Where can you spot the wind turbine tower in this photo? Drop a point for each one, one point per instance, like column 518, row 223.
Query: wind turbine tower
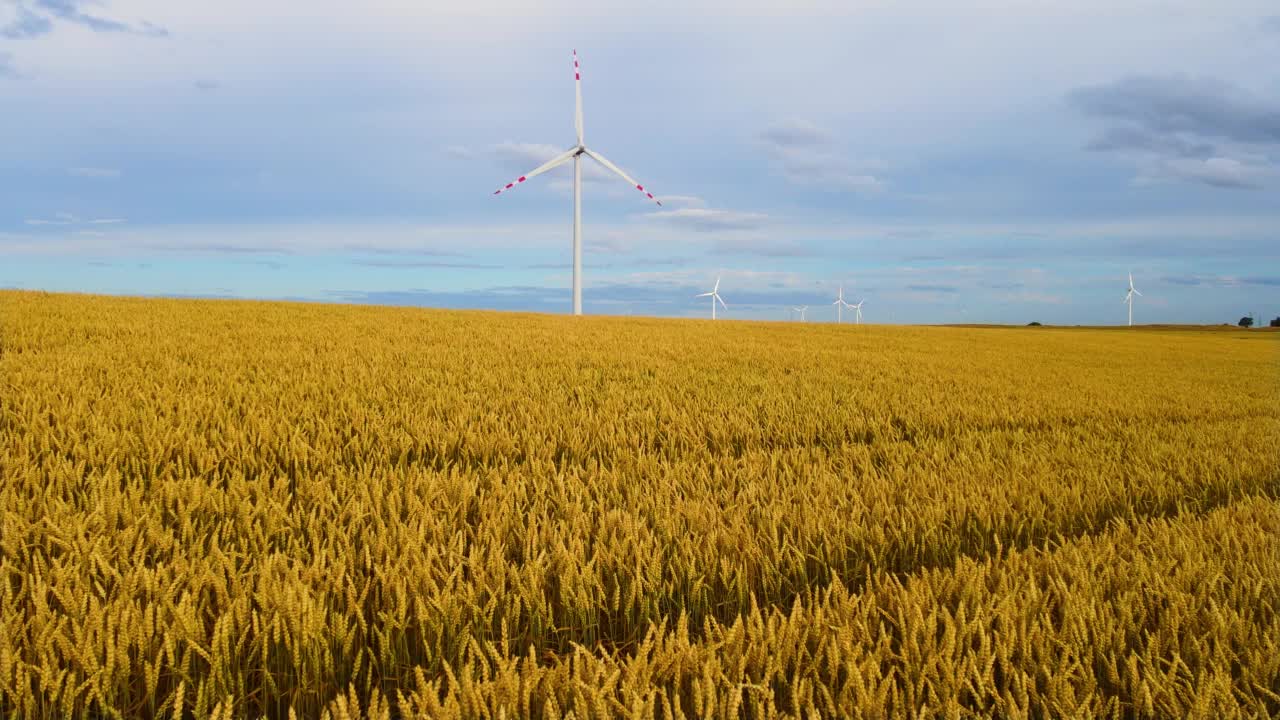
column 575, row 154
column 840, row 306
column 1128, row 298
column 714, row 295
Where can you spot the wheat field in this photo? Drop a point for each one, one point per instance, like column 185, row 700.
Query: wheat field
column 225, row 509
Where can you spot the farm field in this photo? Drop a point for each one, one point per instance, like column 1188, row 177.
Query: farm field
column 245, row 509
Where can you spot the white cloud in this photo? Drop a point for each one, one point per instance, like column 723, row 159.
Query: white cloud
column 808, row 155
column 1204, row 280
column 1034, row 298
column 66, row 218
column 459, row 151
column 960, row 243
column 710, row 220
column 293, row 238
column 94, row 172
column 796, row 132
column 683, row 201
column 1222, row 172
column 608, row 241
column 742, row 277
column 59, row 218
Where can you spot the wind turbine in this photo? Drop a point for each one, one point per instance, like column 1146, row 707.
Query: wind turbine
column 1128, row 297
column 575, row 154
column 840, row 306
column 858, row 308
column 714, row 295
column 801, row 310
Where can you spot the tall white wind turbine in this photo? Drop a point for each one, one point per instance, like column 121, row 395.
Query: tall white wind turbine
column 575, row 154
column 801, row 310
column 840, row 306
column 858, row 308
column 714, row 295
column 1128, row 298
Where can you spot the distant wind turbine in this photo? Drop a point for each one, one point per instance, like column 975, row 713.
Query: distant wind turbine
column 1128, row 297
column 714, row 295
column 575, row 153
column 840, row 306
column 858, row 308
column 801, row 310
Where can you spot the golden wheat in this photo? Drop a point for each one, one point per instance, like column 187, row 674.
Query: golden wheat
column 225, row 509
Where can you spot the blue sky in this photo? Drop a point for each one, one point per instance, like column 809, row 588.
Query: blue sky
column 994, row 161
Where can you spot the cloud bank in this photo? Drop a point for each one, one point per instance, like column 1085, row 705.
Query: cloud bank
column 1198, row 130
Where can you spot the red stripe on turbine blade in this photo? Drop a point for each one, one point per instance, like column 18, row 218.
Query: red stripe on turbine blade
column 521, row 179
column 577, row 76
column 509, row 186
column 650, row 195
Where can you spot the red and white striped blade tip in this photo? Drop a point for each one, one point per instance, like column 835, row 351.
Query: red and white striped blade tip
column 509, row 185
column 648, row 194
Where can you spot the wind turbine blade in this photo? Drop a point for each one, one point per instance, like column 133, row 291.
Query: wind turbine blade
column 605, row 162
column 704, row 295
column 577, row 89
column 556, row 161
column 722, row 304
column 1135, row 292
column 717, row 287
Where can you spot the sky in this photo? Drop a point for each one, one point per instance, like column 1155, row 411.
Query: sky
column 996, row 161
